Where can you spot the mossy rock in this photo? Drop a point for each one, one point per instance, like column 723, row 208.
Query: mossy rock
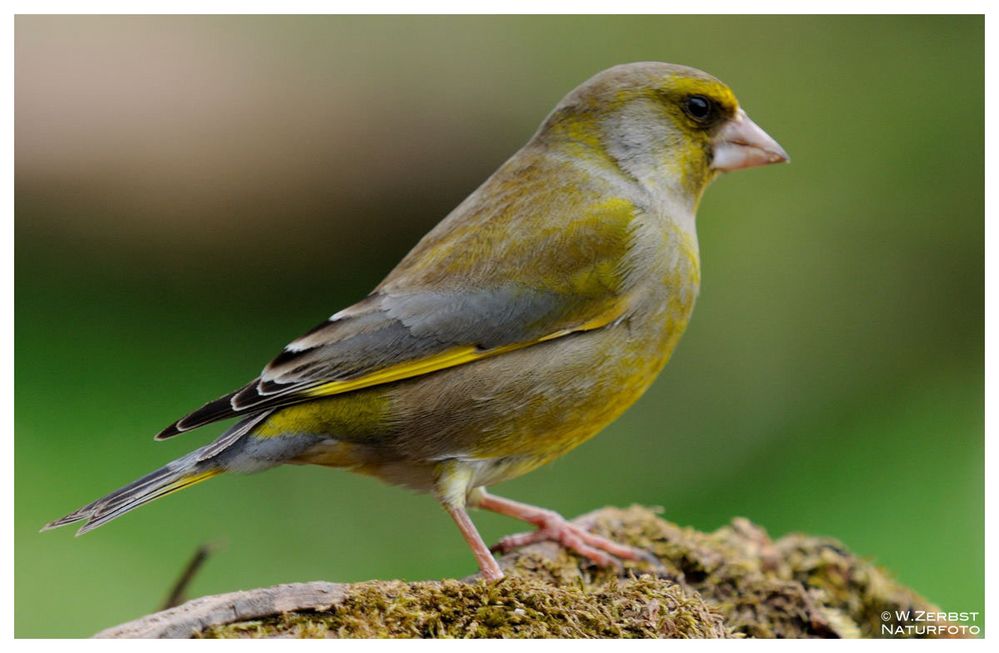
column 734, row 582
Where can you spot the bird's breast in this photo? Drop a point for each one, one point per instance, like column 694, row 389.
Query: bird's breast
column 664, row 277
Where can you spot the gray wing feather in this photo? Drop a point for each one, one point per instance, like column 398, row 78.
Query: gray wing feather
column 389, row 329
column 401, row 328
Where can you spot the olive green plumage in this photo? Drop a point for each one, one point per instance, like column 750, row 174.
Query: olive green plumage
column 530, row 318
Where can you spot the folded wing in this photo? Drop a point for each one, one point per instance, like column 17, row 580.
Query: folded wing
column 570, row 279
column 387, row 338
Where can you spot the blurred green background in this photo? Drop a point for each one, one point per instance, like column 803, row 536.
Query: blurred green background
column 193, row 192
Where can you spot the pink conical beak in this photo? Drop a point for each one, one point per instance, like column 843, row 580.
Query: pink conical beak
column 742, row 144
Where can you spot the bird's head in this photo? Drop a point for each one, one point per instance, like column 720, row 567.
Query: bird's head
column 663, row 124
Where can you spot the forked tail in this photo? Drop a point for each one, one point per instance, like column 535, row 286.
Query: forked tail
column 228, row 451
column 177, row 475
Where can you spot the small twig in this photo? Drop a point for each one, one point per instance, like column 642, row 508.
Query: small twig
column 176, row 596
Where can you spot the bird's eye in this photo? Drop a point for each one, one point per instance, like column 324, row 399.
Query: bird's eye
column 698, row 107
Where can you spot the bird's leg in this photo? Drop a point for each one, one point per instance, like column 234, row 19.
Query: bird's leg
column 552, row 526
column 451, row 485
column 487, row 563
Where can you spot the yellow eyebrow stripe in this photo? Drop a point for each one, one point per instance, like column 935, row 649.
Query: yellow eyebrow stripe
column 449, row 358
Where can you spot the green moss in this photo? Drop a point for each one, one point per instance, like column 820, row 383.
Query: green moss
column 798, row 586
column 734, row 582
column 513, row 607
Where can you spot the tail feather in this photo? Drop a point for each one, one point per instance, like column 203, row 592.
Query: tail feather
column 166, row 480
column 199, row 465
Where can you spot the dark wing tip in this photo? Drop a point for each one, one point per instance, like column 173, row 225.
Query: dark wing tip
column 247, row 397
column 168, row 432
column 213, row 411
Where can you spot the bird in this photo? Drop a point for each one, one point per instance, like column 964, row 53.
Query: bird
column 531, row 317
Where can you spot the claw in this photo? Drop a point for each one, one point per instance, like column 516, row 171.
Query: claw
column 552, row 526
column 598, row 550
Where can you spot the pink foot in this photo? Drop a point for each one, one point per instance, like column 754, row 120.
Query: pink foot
column 553, row 527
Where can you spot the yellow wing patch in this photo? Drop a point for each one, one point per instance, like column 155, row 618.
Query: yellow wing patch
column 451, row 358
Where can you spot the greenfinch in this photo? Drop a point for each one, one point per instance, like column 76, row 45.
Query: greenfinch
column 525, row 322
